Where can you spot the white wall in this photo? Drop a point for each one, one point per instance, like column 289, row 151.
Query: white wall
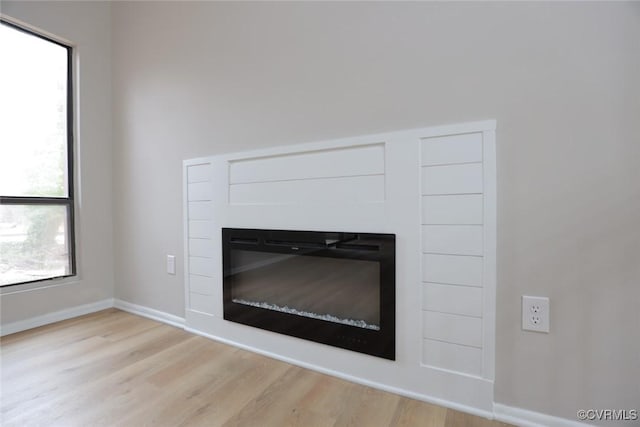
column 197, row 79
column 88, row 27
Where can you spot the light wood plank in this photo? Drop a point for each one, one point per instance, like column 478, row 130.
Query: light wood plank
column 115, row 369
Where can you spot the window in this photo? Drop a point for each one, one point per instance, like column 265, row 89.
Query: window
column 36, row 158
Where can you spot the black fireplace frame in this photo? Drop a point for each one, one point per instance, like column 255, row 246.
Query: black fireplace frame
column 363, row 246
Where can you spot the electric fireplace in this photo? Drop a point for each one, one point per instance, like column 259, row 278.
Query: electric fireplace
column 335, row 288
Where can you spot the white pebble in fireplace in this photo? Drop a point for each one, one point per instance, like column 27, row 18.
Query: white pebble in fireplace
column 433, row 188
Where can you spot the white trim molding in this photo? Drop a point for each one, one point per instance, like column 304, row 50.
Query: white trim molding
column 149, row 313
column 526, row 418
column 56, row 316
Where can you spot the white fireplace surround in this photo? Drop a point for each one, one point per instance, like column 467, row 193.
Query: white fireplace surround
column 432, row 187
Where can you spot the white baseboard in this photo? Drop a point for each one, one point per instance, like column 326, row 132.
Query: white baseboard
column 150, row 313
column 525, row 418
column 56, row 316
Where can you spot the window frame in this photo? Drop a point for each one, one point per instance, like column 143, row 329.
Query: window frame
column 69, row 200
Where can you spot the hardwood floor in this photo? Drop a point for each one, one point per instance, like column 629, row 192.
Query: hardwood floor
column 113, row 368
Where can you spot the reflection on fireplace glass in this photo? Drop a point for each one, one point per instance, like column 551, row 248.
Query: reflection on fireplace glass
column 336, row 290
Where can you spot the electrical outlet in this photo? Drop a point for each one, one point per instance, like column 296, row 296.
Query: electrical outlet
column 535, row 314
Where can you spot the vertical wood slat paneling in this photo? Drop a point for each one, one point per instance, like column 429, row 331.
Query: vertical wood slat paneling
column 459, row 209
column 454, row 357
column 452, row 299
column 199, row 191
column 202, row 303
column 452, row 186
column 199, row 232
column 200, row 210
column 330, row 163
column 199, row 173
column 201, row 266
column 201, row 248
column 201, row 284
column 201, row 229
column 357, row 189
column 452, row 239
column 442, row 150
column 452, row 328
column 452, row 179
column 452, row 269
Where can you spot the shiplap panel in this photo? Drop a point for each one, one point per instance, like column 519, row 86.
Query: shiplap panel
column 452, row 269
column 452, row 179
column 200, row 210
column 452, row 328
column 199, row 173
column 464, row 209
column 465, row 300
column 338, row 162
column 199, row 191
column 452, row 239
column 360, row 189
column 454, row 357
column 202, row 303
column 200, row 229
column 201, row 284
column 201, row 266
column 201, row 247
column 442, row 150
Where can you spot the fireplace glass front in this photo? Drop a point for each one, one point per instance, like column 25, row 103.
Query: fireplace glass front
column 335, row 288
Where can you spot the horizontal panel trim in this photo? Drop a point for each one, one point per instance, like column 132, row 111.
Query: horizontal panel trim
column 202, row 303
column 453, row 299
column 452, row 179
column 462, row 148
column 201, row 266
column 199, row 173
column 201, row 248
column 452, row 269
column 359, row 189
column 454, row 357
column 201, row 229
column 199, row 191
column 453, row 239
column 457, row 209
column 337, row 162
column 452, row 328
column 200, row 210
column 201, row 284
column 424, row 310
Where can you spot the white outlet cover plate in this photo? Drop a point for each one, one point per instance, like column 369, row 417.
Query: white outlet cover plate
column 535, row 314
column 171, row 264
